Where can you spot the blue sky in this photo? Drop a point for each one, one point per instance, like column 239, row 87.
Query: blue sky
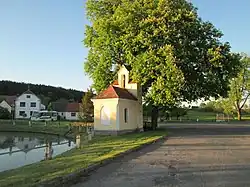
column 40, row 40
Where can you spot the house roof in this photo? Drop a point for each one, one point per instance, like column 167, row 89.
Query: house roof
column 9, row 99
column 115, row 92
column 65, row 106
column 28, row 92
column 59, row 106
column 73, row 107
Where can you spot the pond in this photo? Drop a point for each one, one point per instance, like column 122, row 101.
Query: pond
column 20, row 149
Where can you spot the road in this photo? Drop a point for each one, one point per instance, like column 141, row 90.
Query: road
column 204, row 156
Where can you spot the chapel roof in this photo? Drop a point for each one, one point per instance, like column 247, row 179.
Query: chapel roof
column 115, row 92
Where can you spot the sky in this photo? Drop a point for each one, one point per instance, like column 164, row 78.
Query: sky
column 40, row 40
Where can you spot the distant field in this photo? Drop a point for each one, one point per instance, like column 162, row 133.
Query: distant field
column 203, row 116
column 193, row 115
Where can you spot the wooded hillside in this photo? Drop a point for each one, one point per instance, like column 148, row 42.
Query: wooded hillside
column 44, row 92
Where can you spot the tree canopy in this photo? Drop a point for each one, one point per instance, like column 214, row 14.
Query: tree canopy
column 46, row 93
column 239, row 90
column 174, row 54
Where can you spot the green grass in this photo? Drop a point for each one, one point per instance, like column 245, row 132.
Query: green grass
column 98, row 149
column 37, row 127
column 194, row 114
column 202, row 116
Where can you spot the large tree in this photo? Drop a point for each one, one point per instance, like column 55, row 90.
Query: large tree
column 240, row 87
column 173, row 53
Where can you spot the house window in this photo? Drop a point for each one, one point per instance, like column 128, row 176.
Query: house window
column 32, row 104
column 22, row 113
column 62, row 113
column 31, row 112
column 22, row 104
column 27, row 96
column 73, row 114
column 125, row 115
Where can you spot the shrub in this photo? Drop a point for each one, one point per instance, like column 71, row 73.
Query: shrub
column 4, row 113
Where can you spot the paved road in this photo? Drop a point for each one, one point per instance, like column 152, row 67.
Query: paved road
column 192, row 157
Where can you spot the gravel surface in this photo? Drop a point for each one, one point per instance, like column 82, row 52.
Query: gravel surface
column 191, row 157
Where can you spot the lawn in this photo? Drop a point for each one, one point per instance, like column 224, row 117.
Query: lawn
column 100, row 148
column 194, row 114
column 39, row 127
column 202, row 116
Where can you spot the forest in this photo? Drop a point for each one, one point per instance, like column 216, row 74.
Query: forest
column 45, row 92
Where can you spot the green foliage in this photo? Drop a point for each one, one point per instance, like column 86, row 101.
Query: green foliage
column 209, row 107
column 50, row 107
column 177, row 112
column 240, row 87
column 87, row 108
column 173, row 53
column 4, row 113
column 226, row 106
column 202, row 105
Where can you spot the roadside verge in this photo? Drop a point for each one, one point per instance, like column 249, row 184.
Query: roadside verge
column 67, row 168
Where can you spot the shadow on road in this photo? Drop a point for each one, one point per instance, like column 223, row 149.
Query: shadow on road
column 207, row 130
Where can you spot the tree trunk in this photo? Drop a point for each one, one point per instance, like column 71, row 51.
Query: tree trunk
column 154, row 117
column 239, row 114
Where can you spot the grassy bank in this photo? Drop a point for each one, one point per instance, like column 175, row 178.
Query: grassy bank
column 57, row 128
column 39, row 127
column 97, row 150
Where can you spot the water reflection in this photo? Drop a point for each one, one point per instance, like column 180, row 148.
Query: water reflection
column 19, row 149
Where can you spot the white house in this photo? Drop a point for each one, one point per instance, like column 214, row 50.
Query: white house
column 66, row 110
column 26, row 104
column 72, row 111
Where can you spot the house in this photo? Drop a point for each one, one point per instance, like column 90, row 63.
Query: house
column 67, row 110
column 118, row 109
column 72, row 111
column 26, row 104
column 7, row 102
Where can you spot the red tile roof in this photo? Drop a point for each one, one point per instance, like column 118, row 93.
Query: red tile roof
column 115, row 82
column 72, row 107
column 115, row 92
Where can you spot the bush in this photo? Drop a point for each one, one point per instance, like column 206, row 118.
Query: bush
column 177, row 112
column 4, row 113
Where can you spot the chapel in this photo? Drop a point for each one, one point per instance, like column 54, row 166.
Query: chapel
column 118, row 109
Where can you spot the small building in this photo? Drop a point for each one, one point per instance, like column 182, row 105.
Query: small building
column 26, row 104
column 67, row 110
column 72, row 111
column 8, row 102
column 118, row 109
